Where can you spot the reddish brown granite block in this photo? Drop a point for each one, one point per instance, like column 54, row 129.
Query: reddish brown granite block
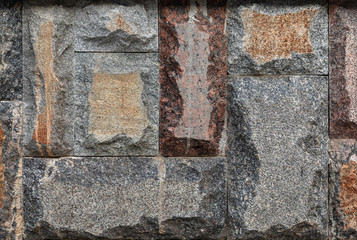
column 192, row 77
column 343, row 68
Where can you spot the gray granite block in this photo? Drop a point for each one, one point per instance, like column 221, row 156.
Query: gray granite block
column 277, row 157
column 117, row 26
column 48, row 80
column 277, row 37
column 117, row 104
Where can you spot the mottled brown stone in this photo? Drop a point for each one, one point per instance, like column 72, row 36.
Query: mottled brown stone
column 192, row 78
column 343, row 68
column 269, row 37
column 348, row 192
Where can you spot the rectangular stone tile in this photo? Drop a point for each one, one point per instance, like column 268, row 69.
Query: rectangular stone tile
column 193, row 198
column 10, row 50
column 11, row 225
column 343, row 68
column 117, row 26
column 277, row 159
column 277, row 37
column 192, row 78
column 117, row 104
column 343, row 189
column 91, row 198
column 48, row 80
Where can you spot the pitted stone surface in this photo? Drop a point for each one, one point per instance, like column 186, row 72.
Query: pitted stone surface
column 277, row 157
column 277, row 37
column 192, row 78
column 10, row 170
column 10, row 50
column 117, row 26
column 343, row 65
column 193, row 197
column 116, row 104
column 91, row 198
column 48, row 80
column 343, row 188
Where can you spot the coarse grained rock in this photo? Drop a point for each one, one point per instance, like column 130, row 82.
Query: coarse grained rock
column 117, row 26
column 11, row 215
column 343, row 188
column 10, row 50
column 342, row 66
column 48, row 80
column 277, row 157
column 193, row 75
column 193, row 197
column 124, row 198
column 277, row 37
column 116, row 104
column 91, row 198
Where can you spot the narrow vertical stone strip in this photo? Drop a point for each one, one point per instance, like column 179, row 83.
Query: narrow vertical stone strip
column 192, row 77
column 10, row 50
column 343, row 69
column 11, row 224
column 48, row 48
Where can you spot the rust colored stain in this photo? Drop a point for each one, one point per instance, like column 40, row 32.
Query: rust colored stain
column 2, row 169
column 348, row 193
column 45, row 75
column 192, row 77
column 343, row 70
column 118, row 23
column 116, row 105
column 272, row 37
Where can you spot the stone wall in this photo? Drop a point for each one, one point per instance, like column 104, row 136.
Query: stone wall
column 190, row 119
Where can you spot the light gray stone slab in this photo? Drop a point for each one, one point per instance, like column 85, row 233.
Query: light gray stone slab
column 277, row 37
column 117, row 104
column 48, row 80
column 277, row 161
column 117, row 26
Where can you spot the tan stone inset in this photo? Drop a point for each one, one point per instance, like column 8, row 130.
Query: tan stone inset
column 268, row 37
column 348, row 192
column 117, row 22
column 116, row 105
column 2, row 169
column 45, row 75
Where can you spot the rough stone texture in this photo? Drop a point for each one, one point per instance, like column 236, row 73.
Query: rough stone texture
column 277, row 157
column 124, row 198
column 343, row 188
column 277, row 37
column 117, row 26
column 11, row 50
column 117, row 108
column 193, row 78
column 343, row 65
column 77, row 198
column 48, row 80
column 193, row 198
column 11, row 226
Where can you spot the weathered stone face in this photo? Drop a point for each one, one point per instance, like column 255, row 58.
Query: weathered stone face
column 192, row 78
column 10, row 50
column 125, row 198
column 343, row 65
column 343, row 188
column 116, row 104
column 11, row 216
column 48, row 80
column 277, row 158
column 192, row 198
column 119, row 26
column 277, row 37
